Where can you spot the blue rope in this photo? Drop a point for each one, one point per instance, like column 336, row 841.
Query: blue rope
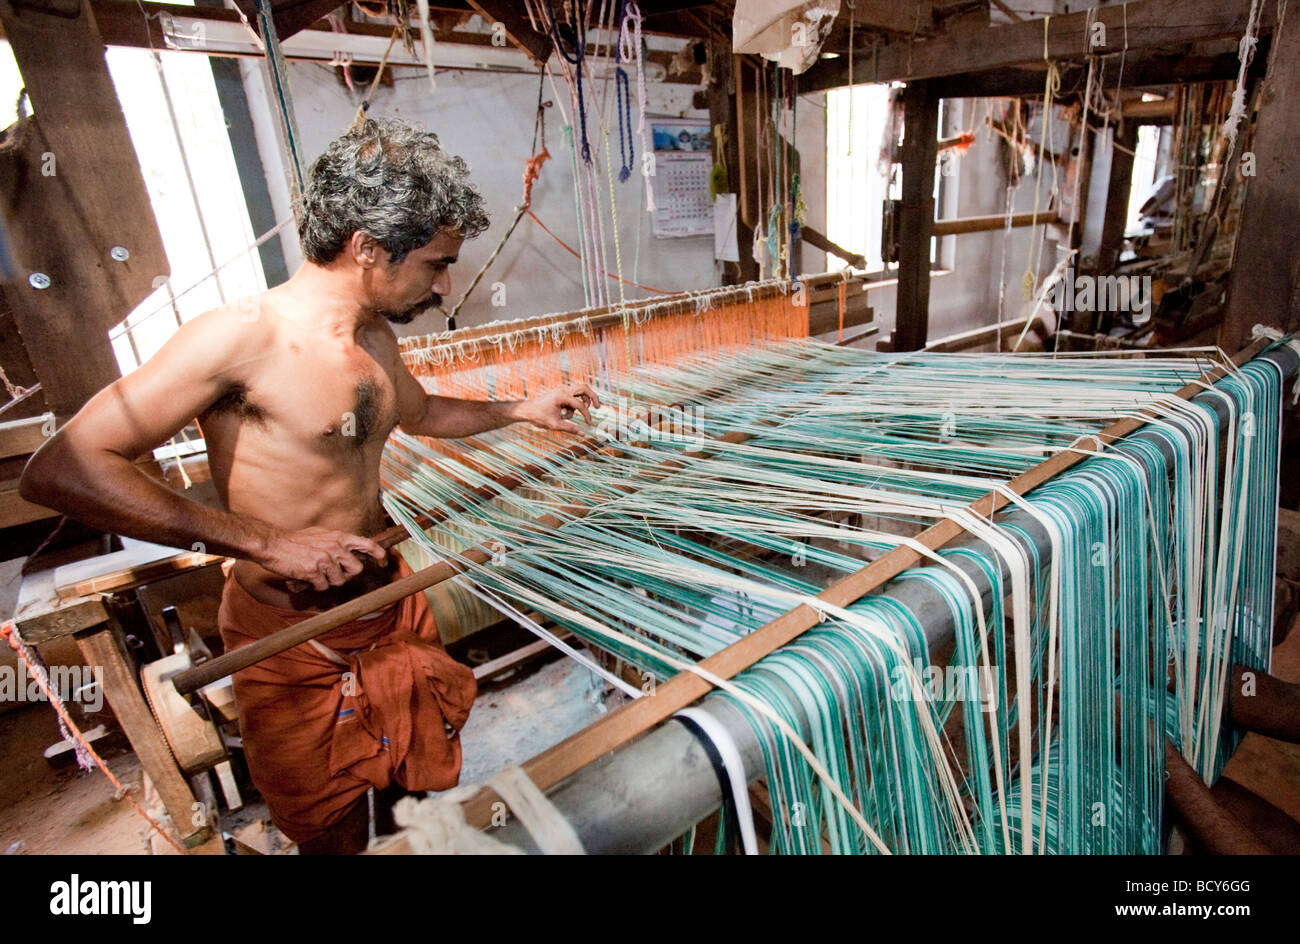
column 580, row 51
column 623, row 102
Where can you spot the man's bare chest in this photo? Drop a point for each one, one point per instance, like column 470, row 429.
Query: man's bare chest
column 327, row 401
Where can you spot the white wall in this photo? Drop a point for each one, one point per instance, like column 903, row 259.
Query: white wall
column 487, row 118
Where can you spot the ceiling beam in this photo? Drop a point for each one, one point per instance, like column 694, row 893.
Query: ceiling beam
column 1150, row 24
column 1152, row 70
column 898, row 16
column 121, row 24
column 296, row 15
column 518, row 27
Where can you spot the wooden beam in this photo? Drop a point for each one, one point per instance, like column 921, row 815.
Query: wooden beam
column 1129, row 27
column 102, row 648
column 23, row 437
column 518, row 28
column 1149, row 70
column 1265, row 284
column 72, row 192
column 980, row 224
column 919, row 152
column 1117, row 194
column 294, row 17
column 14, row 509
column 722, row 113
column 898, row 16
column 965, row 340
column 1162, row 108
column 815, row 238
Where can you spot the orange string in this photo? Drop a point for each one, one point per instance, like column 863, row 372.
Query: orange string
column 10, row 633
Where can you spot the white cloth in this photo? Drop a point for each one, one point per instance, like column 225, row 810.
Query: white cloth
column 789, row 32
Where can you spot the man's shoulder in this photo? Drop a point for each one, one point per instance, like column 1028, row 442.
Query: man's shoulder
column 221, row 345
column 231, row 329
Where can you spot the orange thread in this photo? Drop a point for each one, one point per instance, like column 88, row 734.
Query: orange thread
column 9, row 632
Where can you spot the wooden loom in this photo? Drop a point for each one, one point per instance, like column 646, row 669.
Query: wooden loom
column 454, row 363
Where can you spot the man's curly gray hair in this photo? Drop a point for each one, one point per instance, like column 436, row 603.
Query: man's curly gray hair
column 390, row 180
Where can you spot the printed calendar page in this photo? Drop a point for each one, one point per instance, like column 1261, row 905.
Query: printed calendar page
column 683, row 162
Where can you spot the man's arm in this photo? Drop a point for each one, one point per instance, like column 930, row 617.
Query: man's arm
column 87, row 470
column 425, row 414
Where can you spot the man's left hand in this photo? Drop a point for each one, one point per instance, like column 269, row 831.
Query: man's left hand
column 552, row 410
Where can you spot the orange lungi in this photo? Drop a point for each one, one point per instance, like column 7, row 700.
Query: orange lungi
column 317, row 733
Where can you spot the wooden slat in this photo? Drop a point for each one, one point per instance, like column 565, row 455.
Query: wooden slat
column 14, row 509
column 512, row 660
column 102, row 649
column 41, row 616
column 620, row 726
column 825, row 317
column 130, row 567
column 23, row 437
column 980, row 224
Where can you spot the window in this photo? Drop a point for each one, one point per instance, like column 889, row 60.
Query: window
column 179, row 132
column 856, row 184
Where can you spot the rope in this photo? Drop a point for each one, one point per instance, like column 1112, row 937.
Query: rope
column 1245, row 53
column 86, row 753
column 573, row 252
column 364, row 107
column 537, row 814
column 1051, row 85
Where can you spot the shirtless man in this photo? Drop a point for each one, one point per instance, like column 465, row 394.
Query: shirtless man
column 296, row 391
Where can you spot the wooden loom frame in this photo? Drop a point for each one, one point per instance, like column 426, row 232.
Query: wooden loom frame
column 553, row 765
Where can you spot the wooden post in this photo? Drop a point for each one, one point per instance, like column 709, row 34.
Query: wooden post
column 722, row 112
column 1264, row 287
column 1117, row 193
column 101, row 647
column 919, row 152
column 80, row 226
column 1083, row 174
column 747, row 181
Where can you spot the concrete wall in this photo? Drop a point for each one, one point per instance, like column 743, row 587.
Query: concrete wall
column 487, row 118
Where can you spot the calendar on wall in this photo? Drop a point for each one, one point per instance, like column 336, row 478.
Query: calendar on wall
column 683, row 163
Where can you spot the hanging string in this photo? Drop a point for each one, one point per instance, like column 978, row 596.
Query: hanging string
column 1245, row 53
column 86, row 754
column 630, row 50
column 1051, row 85
column 574, row 54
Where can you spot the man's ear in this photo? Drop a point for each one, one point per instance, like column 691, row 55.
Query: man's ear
column 366, row 250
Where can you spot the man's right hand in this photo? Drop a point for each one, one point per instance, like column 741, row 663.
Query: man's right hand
column 320, row 557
